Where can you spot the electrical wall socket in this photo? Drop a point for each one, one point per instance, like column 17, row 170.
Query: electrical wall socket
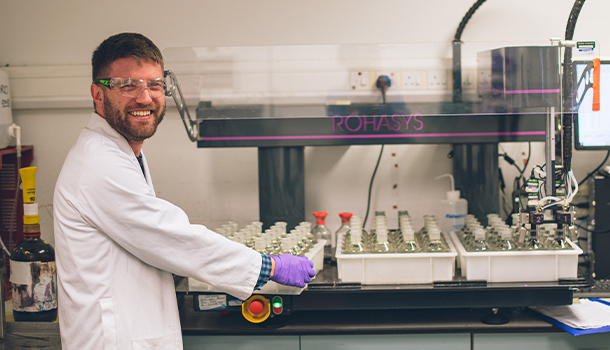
column 484, row 80
column 437, row 80
column 390, row 74
column 360, row 80
column 468, row 80
column 411, row 80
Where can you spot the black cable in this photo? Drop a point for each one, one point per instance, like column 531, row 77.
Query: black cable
column 596, row 169
column 594, row 231
column 457, row 52
column 466, row 18
column 504, row 200
column 383, row 83
column 368, row 202
column 502, row 186
column 573, row 18
column 501, row 180
column 568, row 94
column 517, row 188
column 519, row 169
column 580, row 227
column 510, row 161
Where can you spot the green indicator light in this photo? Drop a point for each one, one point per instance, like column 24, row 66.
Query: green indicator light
column 276, row 302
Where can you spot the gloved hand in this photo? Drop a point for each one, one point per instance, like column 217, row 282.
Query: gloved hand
column 292, row 270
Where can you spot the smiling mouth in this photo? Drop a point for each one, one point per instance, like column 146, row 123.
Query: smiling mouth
column 141, row 113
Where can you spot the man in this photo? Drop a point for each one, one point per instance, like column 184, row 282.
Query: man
column 118, row 245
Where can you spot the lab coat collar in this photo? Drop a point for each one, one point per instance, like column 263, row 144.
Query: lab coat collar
column 97, row 123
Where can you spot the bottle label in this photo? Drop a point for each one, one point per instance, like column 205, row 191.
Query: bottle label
column 454, row 216
column 34, row 285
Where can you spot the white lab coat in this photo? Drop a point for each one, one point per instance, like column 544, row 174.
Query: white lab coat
column 117, row 246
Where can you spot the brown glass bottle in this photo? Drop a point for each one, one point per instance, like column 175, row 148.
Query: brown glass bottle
column 34, row 278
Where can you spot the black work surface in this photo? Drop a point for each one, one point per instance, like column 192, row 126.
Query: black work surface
column 329, row 306
column 360, row 322
column 327, row 292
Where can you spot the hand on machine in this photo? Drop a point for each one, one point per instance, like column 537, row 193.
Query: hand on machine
column 293, row 270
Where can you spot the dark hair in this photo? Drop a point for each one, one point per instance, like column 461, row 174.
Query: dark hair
column 123, row 45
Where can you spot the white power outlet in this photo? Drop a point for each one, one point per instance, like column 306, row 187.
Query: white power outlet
column 411, row 80
column 484, row 80
column 360, row 80
column 437, row 80
column 468, row 80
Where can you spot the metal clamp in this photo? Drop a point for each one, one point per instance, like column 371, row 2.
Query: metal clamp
column 173, row 90
column 573, row 233
column 522, row 233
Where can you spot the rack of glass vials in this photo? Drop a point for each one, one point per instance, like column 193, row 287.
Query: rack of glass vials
column 495, row 253
column 402, row 256
column 275, row 241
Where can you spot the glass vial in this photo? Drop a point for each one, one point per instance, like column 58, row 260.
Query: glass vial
column 342, row 231
column 436, row 243
column 382, row 246
column 321, row 232
column 353, row 239
column 506, row 241
column 479, row 243
column 533, row 243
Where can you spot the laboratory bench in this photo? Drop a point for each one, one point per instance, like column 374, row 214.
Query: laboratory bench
column 460, row 328
column 414, row 329
column 389, row 329
column 420, row 322
column 382, row 329
column 31, row 335
column 332, row 315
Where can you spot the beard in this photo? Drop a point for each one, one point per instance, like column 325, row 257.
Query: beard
column 133, row 130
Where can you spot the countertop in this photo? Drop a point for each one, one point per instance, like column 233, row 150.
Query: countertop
column 31, row 335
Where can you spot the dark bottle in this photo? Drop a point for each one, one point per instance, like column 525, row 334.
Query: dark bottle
column 34, row 278
column 33, row 270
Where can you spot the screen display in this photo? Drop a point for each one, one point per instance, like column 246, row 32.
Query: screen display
column 592, row 129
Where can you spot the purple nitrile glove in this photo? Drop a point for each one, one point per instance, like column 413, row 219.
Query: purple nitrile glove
column 292, row 270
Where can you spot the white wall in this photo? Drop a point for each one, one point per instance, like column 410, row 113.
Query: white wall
column 43, row 36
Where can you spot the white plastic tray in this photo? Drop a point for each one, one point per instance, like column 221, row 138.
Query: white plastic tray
column 316, row 254
column 518, row 266
column 401, row 268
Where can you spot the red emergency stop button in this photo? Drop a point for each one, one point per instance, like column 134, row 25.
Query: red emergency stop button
column 256, row 307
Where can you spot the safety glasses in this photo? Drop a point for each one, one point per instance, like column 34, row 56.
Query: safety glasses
column 134, row 88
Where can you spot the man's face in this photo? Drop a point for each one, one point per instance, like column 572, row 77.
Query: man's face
column 134, row 118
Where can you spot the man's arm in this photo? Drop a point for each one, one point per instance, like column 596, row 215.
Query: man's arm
column 272, row 268
column 285, row 269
